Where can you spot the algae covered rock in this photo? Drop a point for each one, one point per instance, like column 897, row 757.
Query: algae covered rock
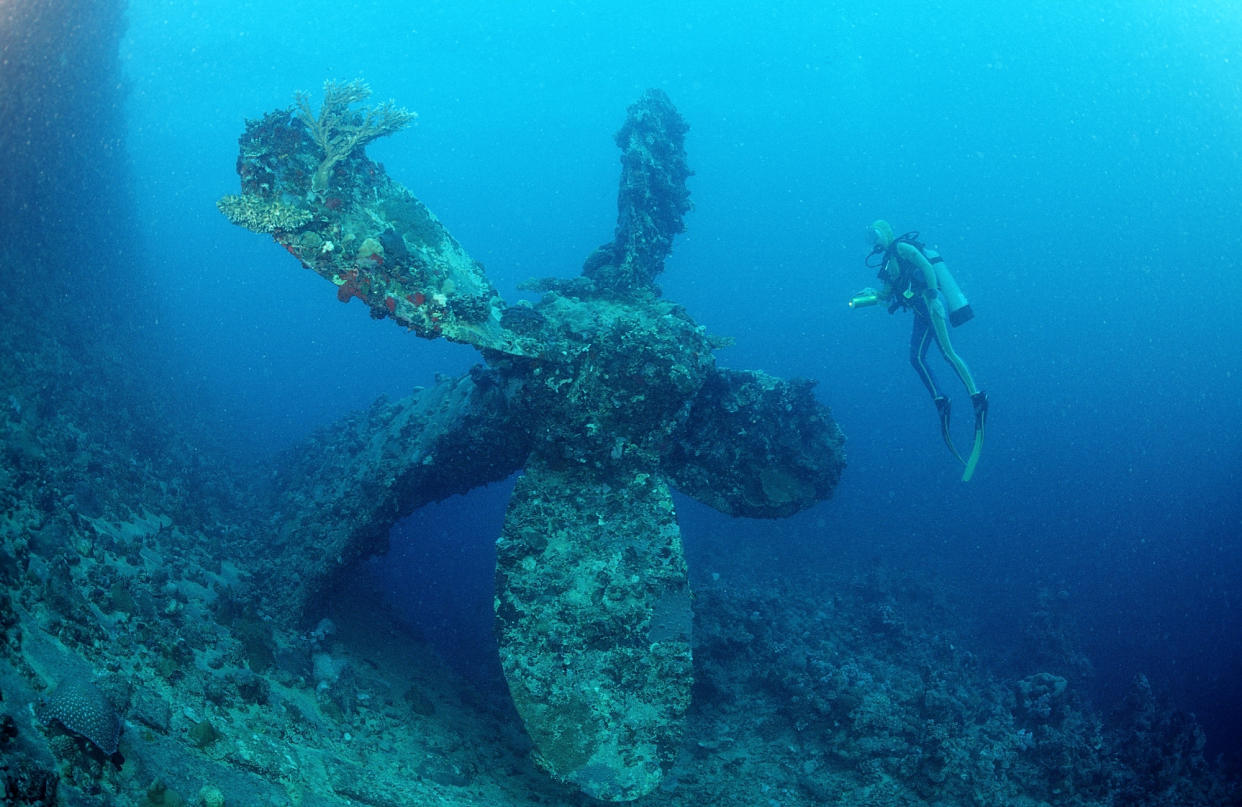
column 1041, row 694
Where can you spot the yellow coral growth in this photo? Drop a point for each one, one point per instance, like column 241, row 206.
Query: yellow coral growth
column 260, row 215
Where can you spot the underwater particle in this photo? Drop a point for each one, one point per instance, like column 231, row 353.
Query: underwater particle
column 81, row 708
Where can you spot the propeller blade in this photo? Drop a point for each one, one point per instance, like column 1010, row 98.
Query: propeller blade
column 366, row 233
column 337, row 494
column 756, row 445
column 593, row 619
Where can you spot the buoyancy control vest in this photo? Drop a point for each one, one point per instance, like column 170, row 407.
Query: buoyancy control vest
column 907, row 282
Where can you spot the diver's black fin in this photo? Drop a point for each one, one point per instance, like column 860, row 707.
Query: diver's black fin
column 980, row 400
column 944, row 408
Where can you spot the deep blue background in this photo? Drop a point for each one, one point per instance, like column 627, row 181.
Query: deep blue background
column 1077, row 166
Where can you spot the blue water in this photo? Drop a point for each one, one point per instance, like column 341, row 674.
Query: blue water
column 1077, row 164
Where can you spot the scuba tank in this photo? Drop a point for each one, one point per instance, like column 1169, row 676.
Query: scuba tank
column 954, row 299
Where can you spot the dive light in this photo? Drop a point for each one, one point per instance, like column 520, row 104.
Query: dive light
column 863, row 300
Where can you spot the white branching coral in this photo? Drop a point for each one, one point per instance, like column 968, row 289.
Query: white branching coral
column 339, row 130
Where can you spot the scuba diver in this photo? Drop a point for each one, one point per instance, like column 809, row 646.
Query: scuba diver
column 914, row 276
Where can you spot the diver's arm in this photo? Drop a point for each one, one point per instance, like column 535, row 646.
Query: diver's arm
column 921, row 265
column 885, row 292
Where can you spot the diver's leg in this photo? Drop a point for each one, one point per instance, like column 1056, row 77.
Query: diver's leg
column 978, row 398
column 940, row 327
column 920, row 339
